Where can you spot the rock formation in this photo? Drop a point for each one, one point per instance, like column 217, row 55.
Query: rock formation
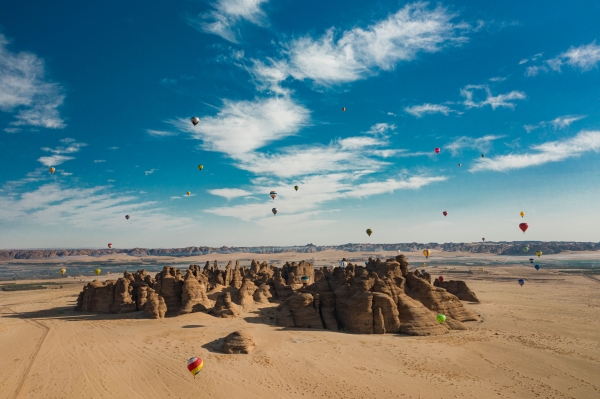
column 238, row 342
column 224, row 306
column 458, row 288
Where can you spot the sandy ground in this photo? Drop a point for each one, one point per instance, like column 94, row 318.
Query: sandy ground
column 536, row 341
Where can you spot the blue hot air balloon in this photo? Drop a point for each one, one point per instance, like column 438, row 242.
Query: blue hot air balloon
column 366, row 263
column 521, row 282
column 537, row 267
column 530, row 260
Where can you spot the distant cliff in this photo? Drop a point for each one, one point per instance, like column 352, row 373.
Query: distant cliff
column 498, row 248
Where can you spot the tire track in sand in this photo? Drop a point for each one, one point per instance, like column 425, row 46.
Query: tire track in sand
column 46, row 329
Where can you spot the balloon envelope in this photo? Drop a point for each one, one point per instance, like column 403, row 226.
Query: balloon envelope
column 522, row 214
column 127, row 217
column 441, row 278
column 459, row 165
column 426, row 252
column 482, row 238
column 369, row 232
column 52, row 170
column 97, row 271
column 273, row 194
column 296, row 188
column 445, row 213
column 200, row 167
column 194, row 365
column 530, row 260
column 63, row 271
column 343, row 109
column 538, row 253
column 423, row 264
column 525, row 248
column 188, row 193
column 305, row 279
column 521, row 282
column 437, row 150
column 523, row 227
column 537, row 267
column 274, row 210
column 440, row 318
column 110, row 245
column 195, row 120
column 482, row 155
column 343, row 263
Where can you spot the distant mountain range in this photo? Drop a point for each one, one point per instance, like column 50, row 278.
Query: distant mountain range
column 499, row 248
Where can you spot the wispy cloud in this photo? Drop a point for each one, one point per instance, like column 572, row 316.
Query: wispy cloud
column 533, row 58
column 160, row 133
column 25, row 90
column 340, row 57
column 420, row 110
column 501, row 100
column 584, row 58
column 553, row 151
column 481, row 143
column 227, row 14
column 229, row 193
column 59, row 156
column 560, row 122
column 149, row 172
column 99, row 160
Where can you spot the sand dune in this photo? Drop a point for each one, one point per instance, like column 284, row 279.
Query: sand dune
column 540, row 340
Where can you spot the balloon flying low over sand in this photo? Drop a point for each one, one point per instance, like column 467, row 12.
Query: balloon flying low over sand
column 200, row 167
column 538, row 253
column 530, row 260
column 369, row 232
column 437, row 150
column 537, row 267
column 343, row 263
column 522, row 214
column 97, row 271
column 305, row 280
column 440, row 318
column 195, row 120
column 525, row 249
column 194, row 365
column 63, row 271
column 52, row 169
column 110, row 245
column 441, row 278
column 426, row 252
column 523, row 227
column 423, row 264
column 521, row 282
column 273, row 194
column 445, row 213
column 296, row 188
column 274, row 210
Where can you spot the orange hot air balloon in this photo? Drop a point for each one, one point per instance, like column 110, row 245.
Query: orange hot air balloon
column 273, row 194
column 194, row 365
column 523, row 227
column 52, row 170
column 426, row 252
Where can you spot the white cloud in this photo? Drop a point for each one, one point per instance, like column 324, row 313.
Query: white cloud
column 498, row 79
column 160, row 133
column 226, row 16
column 149, row 172
column 357, row 53
column 482, row 143
column 25, row 90
column 113, row 148
column 244, row 126
column 535, row 70
column 66, row 173
column 501, row 100
column 99, row 160
column 229, row 193
column 560, row 122
column 584, row 57
column 381, row 128
column 420, row 110
column 58, row 156
column 553, row 151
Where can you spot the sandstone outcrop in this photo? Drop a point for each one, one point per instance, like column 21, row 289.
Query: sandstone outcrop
column 109, row 296
column 457, row 288
column 238, row 342
column 156, row 307
column 224, row 306
column 193, row 295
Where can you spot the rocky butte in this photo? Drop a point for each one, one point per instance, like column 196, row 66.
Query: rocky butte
column 380, row 297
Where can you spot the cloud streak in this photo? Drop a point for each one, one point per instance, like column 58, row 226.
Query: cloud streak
column 500, row 100
column 59, row 156
column 482, row 143
column 420, row 110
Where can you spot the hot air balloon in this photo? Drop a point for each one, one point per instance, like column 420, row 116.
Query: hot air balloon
column 399, row 252
column 482, row 269
column 423, row 264
column 273, row 194
column 530, row 260
column 482, row 155
column 200, row 167
column 63, row 271
column 343, row 109
column 195, row 120
column 369, row 232
column 305, row 280
column 110, row 244
column 538, row 253
column 522, row 214
column 52, row 170
column 445, row 213
column 366, row 263
column 459, row 165
column 194, row 365
column 274, row 210
column 440, row 318
column 537, row 267
column 525, row 248
column 441, row 278
column 127, row 217
column 521, row 282
column 523, row 227
column 97, row 271
column 482, row 238
column 426, row 252
column 188, row 193
column 296, row 188
column 343, row 263
column 437, row 150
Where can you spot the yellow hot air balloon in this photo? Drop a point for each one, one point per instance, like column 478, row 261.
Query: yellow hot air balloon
column 522, row 214
column 423, row 264
column 482, row 269
column 538, row 253
column 97, row 271
column 63, row 271
column 188, row 193
column 426, row 252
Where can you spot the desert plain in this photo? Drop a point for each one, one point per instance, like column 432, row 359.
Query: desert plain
column 536, row 341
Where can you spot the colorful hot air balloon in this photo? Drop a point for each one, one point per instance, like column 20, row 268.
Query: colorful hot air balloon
column 188, row 193
column 369, row 232
column 525, row 249
column 426, row 252
column 482, row 238
column 343, row 109
column 296, row 188
column 275, row 210
column 195, row 120
column 423, row 264
column 52, row 169
column 441, row 278
column 194, row 365
column 482, row 269
column 537, row 267
column 445, row 213
column 110, row 245
column 97, row 271
column 127, row 217
column 305, row 280
column 343, row 263
column 523, row 227
column 273, row 194
column 459, row 165
column 437, row 150
column 522, row 214
column 521, row 282
column 440, row 318
column 200, row 167
column 63, row 271
column 530, row 260
column 538, row 253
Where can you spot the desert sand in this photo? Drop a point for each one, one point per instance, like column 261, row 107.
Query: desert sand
column 536, row 341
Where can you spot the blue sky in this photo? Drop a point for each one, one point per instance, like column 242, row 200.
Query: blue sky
column 104, row 92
